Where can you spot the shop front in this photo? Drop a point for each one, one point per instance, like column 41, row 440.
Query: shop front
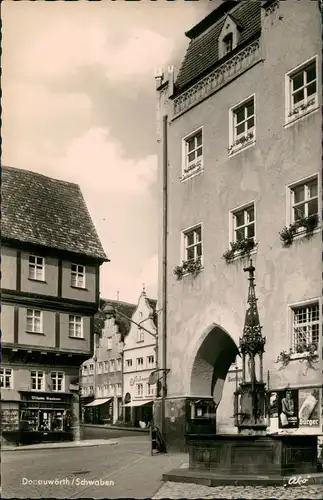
column 45, row 417
column 141, row 412
column 99, row 411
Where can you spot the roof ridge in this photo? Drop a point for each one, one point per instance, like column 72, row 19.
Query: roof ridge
column 32, row 172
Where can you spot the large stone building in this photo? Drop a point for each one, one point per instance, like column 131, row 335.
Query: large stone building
column 51, row 258
column 239, row 133
column 102, row 374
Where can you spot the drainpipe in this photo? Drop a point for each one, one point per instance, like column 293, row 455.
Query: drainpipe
column 164, row 273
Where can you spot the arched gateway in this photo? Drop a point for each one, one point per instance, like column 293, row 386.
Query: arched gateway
column 211, row 362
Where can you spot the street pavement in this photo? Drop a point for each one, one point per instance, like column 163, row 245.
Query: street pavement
column 181, row 490
column 122, row 470
column 125, row 470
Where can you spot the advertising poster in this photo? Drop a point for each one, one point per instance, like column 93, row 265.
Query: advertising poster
column 309, row 407
column 288, row 409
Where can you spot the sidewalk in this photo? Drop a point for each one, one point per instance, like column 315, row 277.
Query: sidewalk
column 115, row 427
column 68, row 444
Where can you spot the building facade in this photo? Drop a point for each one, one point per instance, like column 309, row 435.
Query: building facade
column 102, row 374
column 239, row 134
column 51, row 258
column 139, row 361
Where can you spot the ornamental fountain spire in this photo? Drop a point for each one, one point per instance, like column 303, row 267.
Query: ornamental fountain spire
column 250, row 398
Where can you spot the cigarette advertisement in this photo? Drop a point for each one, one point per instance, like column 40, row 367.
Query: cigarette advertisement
column 296, row 408
column 309, row 407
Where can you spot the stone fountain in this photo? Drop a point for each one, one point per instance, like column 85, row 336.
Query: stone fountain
column 251, row 456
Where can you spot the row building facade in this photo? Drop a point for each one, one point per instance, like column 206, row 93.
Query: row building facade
column 51, row 258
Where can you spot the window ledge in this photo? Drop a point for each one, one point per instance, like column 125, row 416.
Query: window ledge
column 302, row 234
column 191, row 274
column 237, row 148
column 239, row 255
column 77, row 338
column 79, row 288
column 38, row 281
column 35, row 333
column 294, row 118
column 302, row 355
column 191, row 173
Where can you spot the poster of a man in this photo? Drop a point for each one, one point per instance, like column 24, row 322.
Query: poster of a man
column 288, row 409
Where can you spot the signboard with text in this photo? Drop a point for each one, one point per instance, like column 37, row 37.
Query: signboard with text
column 296, row 408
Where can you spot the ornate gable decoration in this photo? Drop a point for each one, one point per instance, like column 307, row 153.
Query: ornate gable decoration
column 229, row 36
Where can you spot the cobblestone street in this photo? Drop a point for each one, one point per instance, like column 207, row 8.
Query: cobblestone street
column 187, row 490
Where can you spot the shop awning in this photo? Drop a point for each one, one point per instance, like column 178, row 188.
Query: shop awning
column 98, row 402
column 137, row 403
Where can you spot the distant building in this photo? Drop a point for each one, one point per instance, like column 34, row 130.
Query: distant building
column 139, row 360
column 240, row 146
column 101, row 375
column 51, row 258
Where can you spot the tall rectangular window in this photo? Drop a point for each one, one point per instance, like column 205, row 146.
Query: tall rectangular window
column 57, row 381
column 77, row 276
column 36, row 268
column 150, row 361
column 244, row 223
column 140, row 390
column 75, row 326
column 306, row 326
column 140, row 362
column 192, row 153
column 6, row 378
column 140, row 335
column 37, row 380
column 301, row 89
column 193, row 243
column 112, row 365
column 304, row 199
column 242, row 125
column 34, row 321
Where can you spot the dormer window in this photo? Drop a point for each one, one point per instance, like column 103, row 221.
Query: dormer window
column 227, row 43
column 229, row 36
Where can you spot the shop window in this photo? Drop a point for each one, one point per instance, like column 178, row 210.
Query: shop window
column 6, row 376
column 77, row 276
column 37, row 380
column 36, row 268
column 57, row 381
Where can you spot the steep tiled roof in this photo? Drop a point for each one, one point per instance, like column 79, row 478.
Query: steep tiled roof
column 202, row 53
column 43, row 211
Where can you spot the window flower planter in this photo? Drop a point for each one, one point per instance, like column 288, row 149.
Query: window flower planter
column 309, row 224
column 307, row 352
column 239, row 248
column 192, row 267
column 241, row 142
column 302, row 108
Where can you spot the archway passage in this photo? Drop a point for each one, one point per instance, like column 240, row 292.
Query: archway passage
column 212, row 362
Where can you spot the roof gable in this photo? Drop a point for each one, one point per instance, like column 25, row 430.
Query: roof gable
column 48, row 212
column 203, row 51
